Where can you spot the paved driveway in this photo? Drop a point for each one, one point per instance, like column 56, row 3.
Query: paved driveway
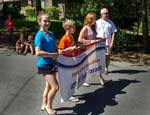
column 21, row 90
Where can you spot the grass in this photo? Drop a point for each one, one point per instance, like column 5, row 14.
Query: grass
column 30, row 24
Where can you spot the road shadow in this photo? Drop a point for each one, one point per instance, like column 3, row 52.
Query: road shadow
column 95, row 102
column 128, row 71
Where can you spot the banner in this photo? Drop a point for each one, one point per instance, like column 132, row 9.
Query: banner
column 74, row 67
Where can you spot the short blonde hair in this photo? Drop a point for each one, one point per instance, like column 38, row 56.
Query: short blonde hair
column 68, row 24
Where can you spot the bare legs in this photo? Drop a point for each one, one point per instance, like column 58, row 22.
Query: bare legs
column 49, row 93
column 101, row 80
column 29, row 47
column 107, row 63
column 20, row 48
column 32, row 49
column 45, row 94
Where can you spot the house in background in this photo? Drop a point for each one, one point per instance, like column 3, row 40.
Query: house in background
column 46, row 3
column 25, row 3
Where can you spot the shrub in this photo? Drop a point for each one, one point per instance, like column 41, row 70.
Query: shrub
column 127, row 42
column 30, row 11
column 52, row 11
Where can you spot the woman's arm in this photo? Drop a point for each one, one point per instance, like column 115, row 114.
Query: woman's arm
column 82, row 35
column 39, row 52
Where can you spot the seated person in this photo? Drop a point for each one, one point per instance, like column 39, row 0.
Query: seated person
column 29, row 45
column 20, row 44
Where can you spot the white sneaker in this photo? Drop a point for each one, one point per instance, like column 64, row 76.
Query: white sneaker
column 73, row 99
column 86, row 84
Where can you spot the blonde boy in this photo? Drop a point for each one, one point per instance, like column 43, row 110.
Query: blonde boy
column 66, row 43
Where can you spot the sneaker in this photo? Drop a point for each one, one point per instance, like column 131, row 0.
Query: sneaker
column 73, row 99
column 86, row 84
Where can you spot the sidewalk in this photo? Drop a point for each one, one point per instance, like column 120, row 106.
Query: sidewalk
column 5, row 49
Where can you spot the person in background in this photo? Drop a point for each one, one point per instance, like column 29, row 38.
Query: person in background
column 105, row 28
column 88, row 35
column 46, row 50
column 66, row 43
column 20, row 44
column 10, row 28
column 29, row 45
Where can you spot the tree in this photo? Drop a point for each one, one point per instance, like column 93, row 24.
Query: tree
column 145, row 26
column 38, row 6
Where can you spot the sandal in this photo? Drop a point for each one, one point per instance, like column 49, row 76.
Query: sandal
column 42, row 108
column 48, row 113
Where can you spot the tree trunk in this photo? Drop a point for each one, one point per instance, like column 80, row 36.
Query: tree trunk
column 145, row 26
column 38, row 6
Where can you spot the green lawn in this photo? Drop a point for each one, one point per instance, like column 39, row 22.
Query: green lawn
column 30, row 25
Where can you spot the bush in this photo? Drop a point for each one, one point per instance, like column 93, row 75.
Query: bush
column 52, row 11
column 127, row 42
column 30, row 11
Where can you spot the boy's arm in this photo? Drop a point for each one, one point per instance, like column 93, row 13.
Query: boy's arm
column 69, row 49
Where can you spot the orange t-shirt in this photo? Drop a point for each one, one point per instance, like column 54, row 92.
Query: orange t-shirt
column 66, row 41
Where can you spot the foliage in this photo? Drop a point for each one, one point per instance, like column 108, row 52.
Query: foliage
column 52, row 11
column 123, row 13
column 30, row 11
column 12, row 8
column 127, row 42
column 30, row 25
column 126, row 13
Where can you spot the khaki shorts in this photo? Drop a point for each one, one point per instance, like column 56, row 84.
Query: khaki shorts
column 108, row 51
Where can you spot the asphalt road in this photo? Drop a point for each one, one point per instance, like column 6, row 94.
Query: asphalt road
column 21, row 90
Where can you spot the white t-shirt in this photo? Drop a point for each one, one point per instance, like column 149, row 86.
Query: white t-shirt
column 104, row 29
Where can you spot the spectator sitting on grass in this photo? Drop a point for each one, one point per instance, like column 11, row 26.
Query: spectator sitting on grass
column 20, row 44
column 29, row 45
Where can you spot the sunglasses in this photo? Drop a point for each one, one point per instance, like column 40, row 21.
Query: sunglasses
column 106, row 13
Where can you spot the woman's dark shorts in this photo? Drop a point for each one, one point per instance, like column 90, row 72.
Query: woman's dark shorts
column 47, row 69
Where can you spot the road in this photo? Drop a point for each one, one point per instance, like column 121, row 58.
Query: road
column 21, row 90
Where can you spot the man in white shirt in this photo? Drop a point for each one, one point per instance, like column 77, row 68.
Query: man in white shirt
column 105, row 28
